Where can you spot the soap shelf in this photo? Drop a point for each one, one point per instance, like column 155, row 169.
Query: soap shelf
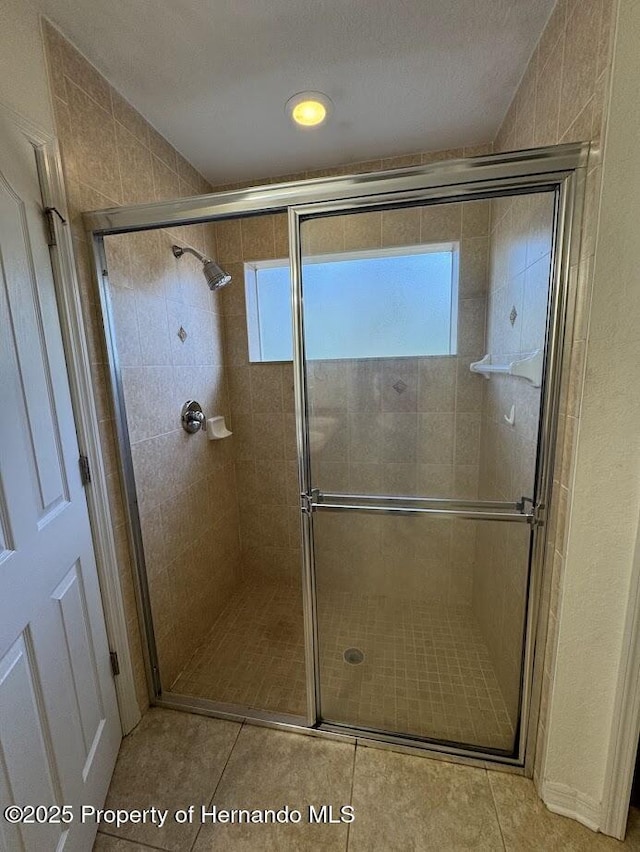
column 529, row 367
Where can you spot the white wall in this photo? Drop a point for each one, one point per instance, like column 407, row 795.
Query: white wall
column 603, row 522
column 23, row 77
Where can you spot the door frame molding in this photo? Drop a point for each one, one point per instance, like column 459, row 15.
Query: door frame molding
column 51, row 178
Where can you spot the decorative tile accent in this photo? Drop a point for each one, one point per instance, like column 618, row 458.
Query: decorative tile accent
column 400, row 386
column 513, row 316
column 182, row 334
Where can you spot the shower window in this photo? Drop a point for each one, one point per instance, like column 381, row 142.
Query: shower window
column 386, row 303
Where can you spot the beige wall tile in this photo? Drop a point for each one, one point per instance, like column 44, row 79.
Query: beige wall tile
column 440, row 222
column 471, row 317
column 362, row 231
column 229, row 241
column 547, row 105
column 94, row 152
column 435, row 437
column 437, row 384
column 165, row 180
column 82, row 73
column 476, row 217
column 55, row 49
column 268, row 437
column 323, row 236
column 130, row 118
column 161, row 149
column 401, row 227
column 473, row 267
column 582, row 44
column 467, row 440
column 266, row 387
column 258, row 238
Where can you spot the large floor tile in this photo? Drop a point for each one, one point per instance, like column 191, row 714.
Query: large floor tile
column 412, row 803
column 271, row 769
column 632, row 840
column 527, row 824
column 171, row 760
column 106, row 843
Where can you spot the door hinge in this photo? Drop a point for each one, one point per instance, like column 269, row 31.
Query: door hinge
column 49, row 213
column 115, row 665
column 85, row 470
column 537, row 513
column 307, row 501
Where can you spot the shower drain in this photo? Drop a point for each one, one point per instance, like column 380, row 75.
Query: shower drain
column 354, row 656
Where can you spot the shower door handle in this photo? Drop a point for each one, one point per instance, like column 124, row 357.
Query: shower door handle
column 466, row 509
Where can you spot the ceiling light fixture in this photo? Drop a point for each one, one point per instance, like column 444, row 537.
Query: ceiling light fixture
column 308, row 109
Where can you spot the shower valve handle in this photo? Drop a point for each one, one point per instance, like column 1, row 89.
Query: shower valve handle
column 192, row 416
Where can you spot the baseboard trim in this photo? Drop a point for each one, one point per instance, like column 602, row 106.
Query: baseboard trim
column 564, row 800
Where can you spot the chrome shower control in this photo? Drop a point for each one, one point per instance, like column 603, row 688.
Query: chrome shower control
column 192, row 416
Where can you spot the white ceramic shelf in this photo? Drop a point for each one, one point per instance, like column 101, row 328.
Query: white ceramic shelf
column 529, row 367
column 216, row 428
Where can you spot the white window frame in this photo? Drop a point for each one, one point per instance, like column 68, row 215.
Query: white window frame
column 252, row 267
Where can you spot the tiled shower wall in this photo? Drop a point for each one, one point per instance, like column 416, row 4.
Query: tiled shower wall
column 112, row 156
column 262, row 415
column 563, row 97
column 424, row 440
column 519, row 270
column 185, row 483
column 368, row 447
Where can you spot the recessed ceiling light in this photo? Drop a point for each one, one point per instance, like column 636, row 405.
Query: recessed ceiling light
column 308, row 109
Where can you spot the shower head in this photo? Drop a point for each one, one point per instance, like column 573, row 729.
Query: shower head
column 215, row 277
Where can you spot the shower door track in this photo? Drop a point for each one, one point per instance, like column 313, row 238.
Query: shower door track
column 560, row 169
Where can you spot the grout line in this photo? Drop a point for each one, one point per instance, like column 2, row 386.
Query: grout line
column 353, row 778
column 495, row 807
column 133, row 843
column 224, row 769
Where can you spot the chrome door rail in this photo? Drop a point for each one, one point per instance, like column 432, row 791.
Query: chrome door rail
column 476, row 510
column 434, row 502
column 520, row 168
column 467, row 514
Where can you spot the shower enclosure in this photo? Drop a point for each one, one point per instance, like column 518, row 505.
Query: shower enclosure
column 364, row 554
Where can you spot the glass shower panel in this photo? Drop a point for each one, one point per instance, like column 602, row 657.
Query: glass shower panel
column 221, row 567
column 421, row 616
column 413, row 638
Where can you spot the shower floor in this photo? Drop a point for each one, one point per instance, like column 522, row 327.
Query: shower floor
column 426, row 670
column 254, row 654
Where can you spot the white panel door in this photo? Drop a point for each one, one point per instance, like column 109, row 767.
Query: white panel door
column 59, row 725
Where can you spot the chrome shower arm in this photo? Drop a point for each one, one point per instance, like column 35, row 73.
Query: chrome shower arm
column 178, row 251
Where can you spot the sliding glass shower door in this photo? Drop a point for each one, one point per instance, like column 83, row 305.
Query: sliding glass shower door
column 422, row 347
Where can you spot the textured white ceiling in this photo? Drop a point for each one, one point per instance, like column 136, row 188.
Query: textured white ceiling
column 213, row 75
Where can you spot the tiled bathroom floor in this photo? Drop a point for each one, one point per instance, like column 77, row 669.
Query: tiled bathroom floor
column 401, row 802
column 426, row 670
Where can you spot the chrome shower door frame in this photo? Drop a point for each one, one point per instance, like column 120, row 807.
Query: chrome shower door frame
column 568, row 188
column 560, row 168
